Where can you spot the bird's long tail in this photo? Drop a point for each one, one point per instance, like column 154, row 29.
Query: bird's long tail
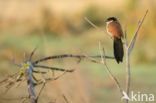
column 118, row 50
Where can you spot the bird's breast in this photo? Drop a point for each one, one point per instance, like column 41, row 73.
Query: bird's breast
column 114, row 29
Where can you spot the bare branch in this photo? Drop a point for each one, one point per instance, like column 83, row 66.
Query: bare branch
column 129, row 49
column 51, row 79
column 43, row 72
column 102, row 52
column 128, row 73
column 41, row 90
column 132, row 43
column 10, row 76
column 32, row 53
column 53, row 68
column 65, row 98
column 91, row 23
column 68, row 56
column 30, row 83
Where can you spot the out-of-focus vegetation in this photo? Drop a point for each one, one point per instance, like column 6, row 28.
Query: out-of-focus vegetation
column 58, row 27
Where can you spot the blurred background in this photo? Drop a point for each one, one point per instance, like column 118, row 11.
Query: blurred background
column 58, row 27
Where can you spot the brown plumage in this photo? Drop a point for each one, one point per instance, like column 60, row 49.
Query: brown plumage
column 114, row 29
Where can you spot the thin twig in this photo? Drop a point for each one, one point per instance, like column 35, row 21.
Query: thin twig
column 65, row 98
column 102, row 52
column 41, row 90
column 10, row 76
column 51, row 79
column 91, row 59
column 103, row 61
column 53, row 68
column 132, row 43
column 128, row 74
column 32, row 53
column 43, row 72
column 67, row 56
column 91, row 23
column 129, row 49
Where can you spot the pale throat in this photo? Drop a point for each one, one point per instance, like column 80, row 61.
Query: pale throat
column 107, row 23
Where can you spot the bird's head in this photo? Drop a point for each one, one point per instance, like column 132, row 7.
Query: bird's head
column 111, row 19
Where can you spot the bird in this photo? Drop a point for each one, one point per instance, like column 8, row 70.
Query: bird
column 114, row 29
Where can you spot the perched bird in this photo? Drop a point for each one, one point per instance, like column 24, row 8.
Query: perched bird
column 114, row 29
